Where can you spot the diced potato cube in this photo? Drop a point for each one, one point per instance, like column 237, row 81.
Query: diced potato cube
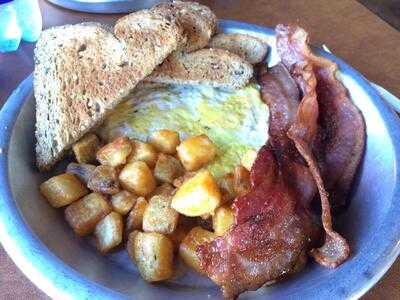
column 165, row 141
column 165, row 189
column 143, row 152
column 123, row 202
column 197, row 196
column 241, row 180
column 84, row 214
column 108, row 232
column 63, row 189
column 196, row 152
column 223, row 220
column 249, row 158
column 154, row 255
column 136, row 177
column 82, row 171
column 115, row 153
column 130, row 244
column 168, row 168
column 135, row 217
column 159, row 216
column 104, row 180
column 188, row 248
column 227, row 186
column 85, row 149
column 180, row 180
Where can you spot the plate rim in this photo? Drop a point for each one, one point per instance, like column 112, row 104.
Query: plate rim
column 60, row 281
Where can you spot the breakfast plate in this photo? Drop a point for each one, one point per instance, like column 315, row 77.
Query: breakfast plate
column 67, row 267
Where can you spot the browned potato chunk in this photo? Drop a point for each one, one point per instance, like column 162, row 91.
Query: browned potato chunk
column 108, row 232
column 104, row 180
column 136, row 177
column 168, row 168
column 63, row 189
column 123, row 202
column 196, row 152
column 84, row 214
column 143, row 152
column 241, row 180
column 164, row 190
column 115, row 153
column 165, row 141
column 248, row 159
column 187, row 250
column 197, row 196
column 135, row 217
column 82, row 171
column 130, row 245
column 223, row 220
column 159, row 216
column 154, row 255
column 85, row 149
column 227, row 186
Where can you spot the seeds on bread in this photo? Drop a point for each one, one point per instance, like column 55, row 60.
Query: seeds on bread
column 198, row 21
column 214, row 67
column 251, row 48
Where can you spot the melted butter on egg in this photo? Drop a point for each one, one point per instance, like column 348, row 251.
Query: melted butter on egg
column 235, row 121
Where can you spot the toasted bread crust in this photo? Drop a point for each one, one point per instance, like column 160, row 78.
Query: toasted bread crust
column 215, row 67
column 198, row 21
column 248, row 47
column 83, row 71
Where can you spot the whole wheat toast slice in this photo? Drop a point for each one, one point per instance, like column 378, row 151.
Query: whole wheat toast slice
column 83, row 71
column 198, row 21
column 214, row 67
column 251, row 48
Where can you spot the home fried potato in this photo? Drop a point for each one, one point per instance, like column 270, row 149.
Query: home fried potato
column 223, row 220
column 227, row 187
column 137, row 177
column 165, row 189
column 168, row 168
column 82, row 171
column 84, row 214
column 159, row 216
column 123, row 202
column 153, row 254
column 86, row 148
column 165, row 141
column 197, row 196
column 195, row 152
column 62, row 190
column 135, row 217
column 130, row 245
column 248, row 159
column 143, row 152
column 104, row 179
column 115, row 153
column 181, row 231
column 108, row 232
column 241, row 180
column 187, row 249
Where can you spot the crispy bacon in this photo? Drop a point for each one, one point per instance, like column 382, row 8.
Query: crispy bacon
column 274, row 226
column 341, row 135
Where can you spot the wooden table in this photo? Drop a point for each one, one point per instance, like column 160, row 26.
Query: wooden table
column 349, row 29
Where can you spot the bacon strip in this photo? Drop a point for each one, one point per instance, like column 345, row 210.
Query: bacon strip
column 268, row 240
column 340, row 121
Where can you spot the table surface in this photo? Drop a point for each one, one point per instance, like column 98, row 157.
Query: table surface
column 350, row 30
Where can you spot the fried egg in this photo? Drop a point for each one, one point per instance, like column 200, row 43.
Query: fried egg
column 236, row 121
